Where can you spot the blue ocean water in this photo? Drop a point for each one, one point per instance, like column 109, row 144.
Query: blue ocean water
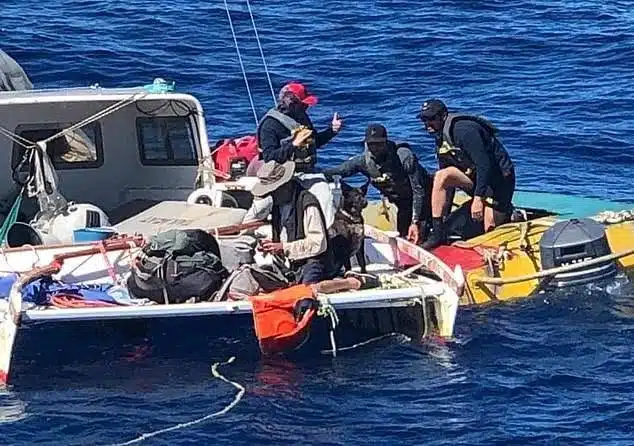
column 556, row 76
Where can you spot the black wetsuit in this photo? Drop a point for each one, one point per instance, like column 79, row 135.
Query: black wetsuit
column 400, row 178
column 476, row 151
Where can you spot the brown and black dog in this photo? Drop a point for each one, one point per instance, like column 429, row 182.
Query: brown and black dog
column 347, row 232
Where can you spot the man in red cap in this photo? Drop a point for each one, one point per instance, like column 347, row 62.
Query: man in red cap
column 286, row 133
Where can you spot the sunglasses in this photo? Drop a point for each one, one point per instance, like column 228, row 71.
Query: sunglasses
column 427, row 119
column 377, row 145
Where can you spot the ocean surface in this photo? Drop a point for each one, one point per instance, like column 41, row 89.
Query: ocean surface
column 556, row 76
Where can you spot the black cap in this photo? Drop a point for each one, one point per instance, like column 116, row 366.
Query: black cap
column 375, row 133
column 432, row 108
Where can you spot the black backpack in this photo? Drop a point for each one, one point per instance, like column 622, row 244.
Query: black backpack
column 177, row 265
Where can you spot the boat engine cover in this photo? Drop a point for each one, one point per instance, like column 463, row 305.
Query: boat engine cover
column 574, row 241
column 77, row 216
column 59, row 228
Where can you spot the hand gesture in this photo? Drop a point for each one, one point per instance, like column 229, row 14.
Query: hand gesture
column 336, row 123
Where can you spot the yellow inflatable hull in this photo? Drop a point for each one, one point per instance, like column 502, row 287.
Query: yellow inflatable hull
column 508, row 253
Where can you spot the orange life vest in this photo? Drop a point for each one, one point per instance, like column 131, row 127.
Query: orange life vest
column 278, row 325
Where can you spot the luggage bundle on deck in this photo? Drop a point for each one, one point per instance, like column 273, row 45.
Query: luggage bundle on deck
column 178, row 266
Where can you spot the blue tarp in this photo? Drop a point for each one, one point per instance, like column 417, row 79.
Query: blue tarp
column 39, row 292
column 6, row 282
column 567, row 206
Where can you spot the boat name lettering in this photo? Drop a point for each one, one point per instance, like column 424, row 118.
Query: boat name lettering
column 164, row 221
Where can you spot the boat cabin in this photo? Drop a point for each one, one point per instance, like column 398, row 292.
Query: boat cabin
column 124, row 144
column 120, row 150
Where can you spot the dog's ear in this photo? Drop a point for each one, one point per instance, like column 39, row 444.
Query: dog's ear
column 345, row 187
column 364, row 188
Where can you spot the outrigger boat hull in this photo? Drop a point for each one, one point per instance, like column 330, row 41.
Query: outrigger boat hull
column 36, row 341
column 50, row 349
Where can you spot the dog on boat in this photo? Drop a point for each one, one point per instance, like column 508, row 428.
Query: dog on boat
column 347, row 232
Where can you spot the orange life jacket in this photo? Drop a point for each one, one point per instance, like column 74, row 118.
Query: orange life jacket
column 278, row 325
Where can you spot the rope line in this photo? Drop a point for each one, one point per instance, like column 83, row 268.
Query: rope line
column 216, row 374
column 244, row 73
column 266, row 68
column 101, row 114
column 401, row 336
column 27, row 144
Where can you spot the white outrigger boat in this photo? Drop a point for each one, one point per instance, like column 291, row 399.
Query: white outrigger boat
column 129, row 159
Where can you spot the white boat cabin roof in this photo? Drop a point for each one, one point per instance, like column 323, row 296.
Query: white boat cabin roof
column 91, row 94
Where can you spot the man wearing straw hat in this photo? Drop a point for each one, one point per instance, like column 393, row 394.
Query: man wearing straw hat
column 299, row 232
column 297, row 221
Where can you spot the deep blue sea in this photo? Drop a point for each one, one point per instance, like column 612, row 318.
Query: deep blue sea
column 556, row 76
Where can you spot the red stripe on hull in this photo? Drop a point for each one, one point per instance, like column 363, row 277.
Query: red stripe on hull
column 467, row 258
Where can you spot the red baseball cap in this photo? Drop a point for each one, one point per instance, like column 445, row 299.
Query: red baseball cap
column 300, row 91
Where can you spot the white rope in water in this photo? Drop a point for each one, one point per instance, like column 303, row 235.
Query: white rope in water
column 266, row 68
column 216, row 374
column 327, row 310
column 368, row 341
column 244, row 73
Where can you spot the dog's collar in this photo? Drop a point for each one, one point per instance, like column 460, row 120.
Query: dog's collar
column 351, row 217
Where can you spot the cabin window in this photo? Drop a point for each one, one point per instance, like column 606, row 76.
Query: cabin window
column 79, row 149
column 166, row 141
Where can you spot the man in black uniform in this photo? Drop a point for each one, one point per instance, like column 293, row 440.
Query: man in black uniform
column 470, row 157
column 394, row 170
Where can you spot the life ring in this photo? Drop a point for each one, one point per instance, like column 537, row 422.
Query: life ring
column 205, row 196
column 201, row 196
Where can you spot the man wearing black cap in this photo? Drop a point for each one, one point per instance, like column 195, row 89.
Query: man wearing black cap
column 394, row 170
column 470, row 157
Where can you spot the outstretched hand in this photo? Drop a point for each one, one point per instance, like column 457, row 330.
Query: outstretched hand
column 336, row 123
